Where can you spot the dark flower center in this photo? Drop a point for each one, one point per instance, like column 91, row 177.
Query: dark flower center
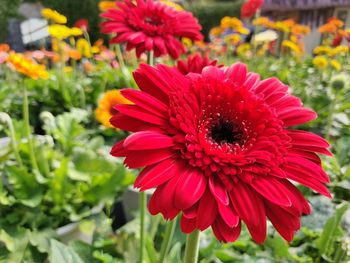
column 153, row 21
column 226, row 132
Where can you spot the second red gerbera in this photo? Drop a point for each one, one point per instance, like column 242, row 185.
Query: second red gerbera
column 147, row 25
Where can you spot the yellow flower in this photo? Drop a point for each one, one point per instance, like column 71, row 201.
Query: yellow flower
column 232, row 39
column 53, row 15
column 216, row 31
column 67, row 69
column 62, row 32
column 243, row 49
column 105, row 5
column 338, row 50
column 105, row 109
column 84, row 48
column 235, row 24
column 187, row 42
column 262, row 21
column 285, row 25
column 320, row 62
column 172, row 4
column 335, row 64
column 321, row 50
column 292, row 46
column 26, row 66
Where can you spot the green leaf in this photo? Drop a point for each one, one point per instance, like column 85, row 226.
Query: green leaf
column 26, row 188
column 61, row 253
column 278, row 245
column 332, row 230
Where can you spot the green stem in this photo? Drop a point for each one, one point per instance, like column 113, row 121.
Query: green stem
column 169, row 232
column 4, row 117
column 330, row 117
column 150, row 58
column 143, row 204
column 192, row 247
column 27, row 128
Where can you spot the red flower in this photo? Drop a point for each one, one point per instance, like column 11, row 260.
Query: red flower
column 147, row 25
column 194, row 64
column 218, row 147
column 250, row 7
column 83, row 24
column 337, row 40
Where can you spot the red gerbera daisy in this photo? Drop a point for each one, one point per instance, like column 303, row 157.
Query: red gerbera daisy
column 147, row 25
column 250, row 7
column 194, row 64
column 218, row 147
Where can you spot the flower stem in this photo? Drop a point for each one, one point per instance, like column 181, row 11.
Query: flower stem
column 330, row 117
column 143, row 204
column 169, row 232
column 5, row 118
column 27, row 128
column 192, row 247
column 150, row 58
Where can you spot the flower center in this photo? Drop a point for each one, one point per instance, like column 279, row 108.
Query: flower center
column 225, row 131
column 153, row 21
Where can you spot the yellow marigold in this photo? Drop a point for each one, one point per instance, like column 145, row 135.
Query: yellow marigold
column 232, row 39
column 320, row 62
column 335, row 64
column 172, row 4
column 292, row 46
column 84, row 48
column 342, row 49
column 53, row 15
column 105, row 5
column 105, row 109
column 62, row 32
column 285, row 25
column 26, row 66
column 234, row 24
column 321, row 50
column 262, row 21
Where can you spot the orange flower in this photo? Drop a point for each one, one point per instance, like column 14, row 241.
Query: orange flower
column 105, row 109
column 298, row 29
column 26, row 66
column 4, row 48
column 74, row 54
column 105, row 5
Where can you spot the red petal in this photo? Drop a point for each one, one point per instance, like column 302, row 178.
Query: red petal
column 157, row 174
column 128, row 123
column 225, row 233
column 187, row 225
column 228, row 215
column 272, row 189
column 207, row 211
column 147, row 140
column 296, row 115
column 118, row 149
column 218, row 190
column 237, row 73
column 137, row 159
column 190, row 188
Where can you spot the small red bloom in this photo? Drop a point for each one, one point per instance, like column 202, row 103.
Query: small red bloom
column 219, row 148
column 250, row 7
column 147, row 25
column 337, row 40
column 194, row 64
column 83, row 24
